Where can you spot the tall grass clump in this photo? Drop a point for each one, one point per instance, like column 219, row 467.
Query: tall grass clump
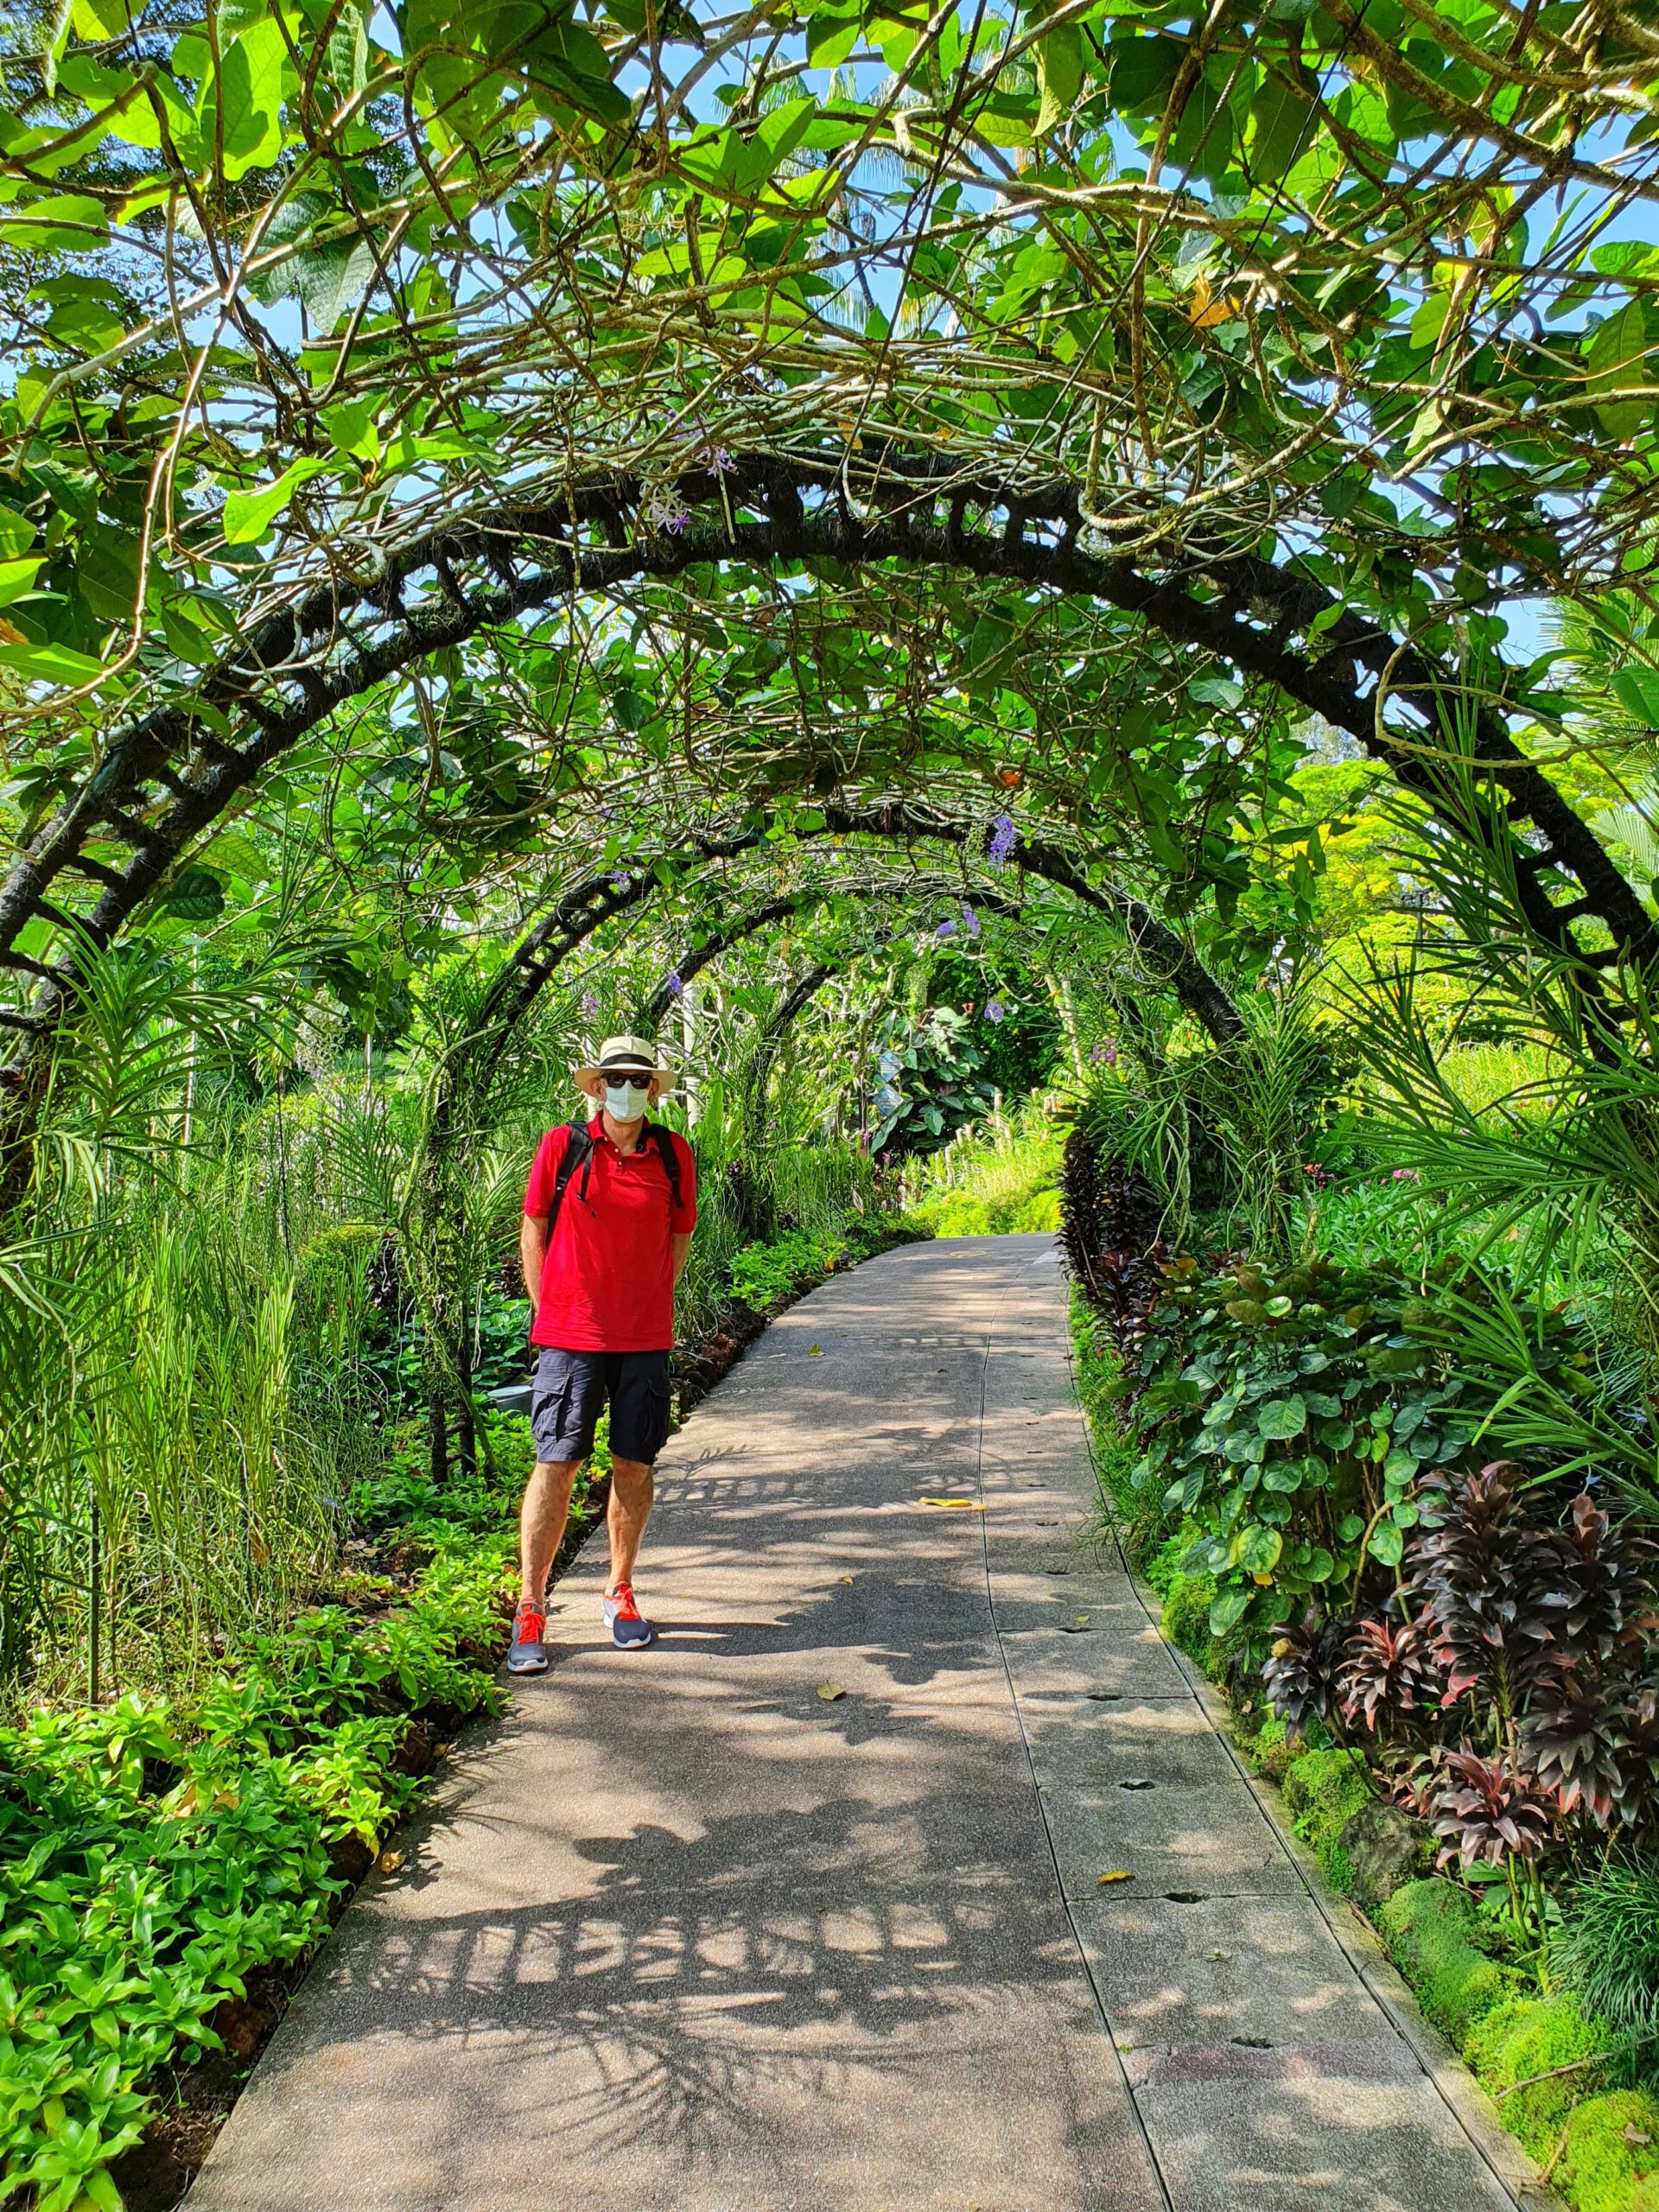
column 184, row 1417
column 997, row 1178
column 1606, row 1951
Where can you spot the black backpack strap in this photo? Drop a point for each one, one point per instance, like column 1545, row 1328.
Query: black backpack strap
column 664, row 1140
column 578, row 1153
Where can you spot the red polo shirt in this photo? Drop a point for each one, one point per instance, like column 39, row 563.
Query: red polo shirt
column 607, row 1284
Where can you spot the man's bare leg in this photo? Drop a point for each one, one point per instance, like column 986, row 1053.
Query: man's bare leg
column 541, row 1524
column 632, row 1492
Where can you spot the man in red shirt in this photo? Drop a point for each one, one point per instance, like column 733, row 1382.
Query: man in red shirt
column 608, row 1215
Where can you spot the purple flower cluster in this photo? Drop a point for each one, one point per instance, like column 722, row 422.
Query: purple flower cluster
column 590, row 1002
column 1105, row 1055
column 675, row 986
column 970, row 921
column 995, row 1010
column 1004, row 838
column 945, row 928
column 660, row 515
column 1406, row 1175
column 719, row 460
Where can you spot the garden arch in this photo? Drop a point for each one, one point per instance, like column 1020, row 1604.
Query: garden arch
column 172, row 773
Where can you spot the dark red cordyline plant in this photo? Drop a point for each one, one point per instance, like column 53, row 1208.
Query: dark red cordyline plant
column 1494, row 1589
column 1639, row 1766
column 1572, row 1742
column 1610, row 1614
column 1485, row 1813
column 1080, row 1207
column 1301, row 1673
column 1387, row 1668
column 1415, row 1788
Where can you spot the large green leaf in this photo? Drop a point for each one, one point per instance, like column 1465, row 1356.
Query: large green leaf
column 1618, row 361
column 1259, row 1549
column 1281, row 1418
column 248, row 515
column 17, row 576
column 1059, row 73
column 62, row 222
column 1281, row 125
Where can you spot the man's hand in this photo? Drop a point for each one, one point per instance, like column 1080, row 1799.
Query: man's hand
column 532, row 1255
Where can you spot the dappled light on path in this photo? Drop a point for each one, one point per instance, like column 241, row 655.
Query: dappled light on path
column 682, row 1931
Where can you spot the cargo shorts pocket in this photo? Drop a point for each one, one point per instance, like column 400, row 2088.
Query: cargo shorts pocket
column 642, row 1407
column 564, row 1406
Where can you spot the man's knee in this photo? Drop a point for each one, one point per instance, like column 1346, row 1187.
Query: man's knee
column 631, row 1478
column 554, row 1476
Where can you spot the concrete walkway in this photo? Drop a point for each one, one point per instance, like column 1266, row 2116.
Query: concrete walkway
column 685, row 1936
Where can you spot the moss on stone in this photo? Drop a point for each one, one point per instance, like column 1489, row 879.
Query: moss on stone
column 1612, row 2160
column 1324, row 1790
column 1524, row 2037
column 1186, row 1616
column 1261, row 1737
column 1433, row 1928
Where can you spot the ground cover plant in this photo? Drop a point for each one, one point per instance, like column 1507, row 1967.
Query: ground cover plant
column 156, row 1854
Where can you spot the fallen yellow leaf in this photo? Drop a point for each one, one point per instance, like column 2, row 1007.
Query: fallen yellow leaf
column 846, row 1578
column 831, row 1691
column 815, row 1351
column 1117, row 1874
column 953, row 1505
column 389, row 1861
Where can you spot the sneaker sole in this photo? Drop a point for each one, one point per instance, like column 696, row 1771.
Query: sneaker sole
column 527, row 1666
column 634, row 1643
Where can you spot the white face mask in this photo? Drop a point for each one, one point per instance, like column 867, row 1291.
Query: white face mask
column 627, row 1101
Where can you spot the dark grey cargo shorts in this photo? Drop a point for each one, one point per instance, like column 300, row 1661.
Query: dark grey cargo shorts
column 572, row 1388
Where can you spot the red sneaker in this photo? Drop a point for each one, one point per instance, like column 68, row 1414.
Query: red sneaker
column 630, row 1631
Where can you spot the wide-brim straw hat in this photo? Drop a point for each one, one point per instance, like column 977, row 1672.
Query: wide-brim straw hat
column 625, row 1056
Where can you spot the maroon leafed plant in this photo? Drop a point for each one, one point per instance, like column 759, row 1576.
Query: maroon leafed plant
column 1485, row 1813
column 1301, row 1673
column 1387, row 1668
column 1573, row 1741
column 1494, row 1589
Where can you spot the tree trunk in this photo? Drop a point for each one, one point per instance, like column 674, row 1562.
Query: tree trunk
column 437, row 1432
